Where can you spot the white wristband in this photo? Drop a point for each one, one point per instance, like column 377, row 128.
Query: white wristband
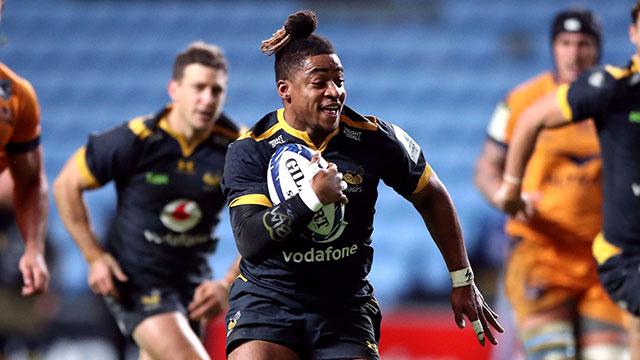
column 310, row 198
column 462, row 277
column 512, row 179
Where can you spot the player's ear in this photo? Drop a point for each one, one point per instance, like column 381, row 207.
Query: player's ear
column 284, row 89
column 172, row 89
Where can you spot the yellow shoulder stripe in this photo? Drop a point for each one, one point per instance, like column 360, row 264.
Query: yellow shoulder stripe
column 603, row 250
column 85, row 173
column 251, row 199
column 616, row 72
column 563, row 102
column 138, row 127
column 424, row 178
column 371, row 125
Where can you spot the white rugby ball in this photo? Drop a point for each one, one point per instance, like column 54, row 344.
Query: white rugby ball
column 288, row 170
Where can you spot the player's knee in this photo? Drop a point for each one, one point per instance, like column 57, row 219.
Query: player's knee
column 605, row 352
column 550, row 341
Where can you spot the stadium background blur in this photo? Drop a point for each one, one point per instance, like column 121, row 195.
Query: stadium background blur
column 434, row 67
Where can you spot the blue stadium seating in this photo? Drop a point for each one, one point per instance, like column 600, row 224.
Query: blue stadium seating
column 436, row 68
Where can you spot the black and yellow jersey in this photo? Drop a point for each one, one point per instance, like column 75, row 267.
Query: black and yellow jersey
column 169, row 195
column 366, row 150
column 610, row 95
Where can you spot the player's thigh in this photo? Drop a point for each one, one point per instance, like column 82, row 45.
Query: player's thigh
column 169, row 336
column 262, row 350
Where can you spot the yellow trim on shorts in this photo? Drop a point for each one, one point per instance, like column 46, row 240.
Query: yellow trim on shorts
column 251, row 199
column 563, row 102
column 85, row 173
column 603, row 250
column 424, row 179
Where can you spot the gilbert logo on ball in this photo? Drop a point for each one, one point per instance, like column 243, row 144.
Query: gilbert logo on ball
column 288, row 171
column 181, row 215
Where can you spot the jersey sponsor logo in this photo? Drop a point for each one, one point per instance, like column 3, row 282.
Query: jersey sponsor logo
column 578, row 160
column 320, row 255
column 186, row 167
column 634, row 117
column 351, row 134
column 277, row 141
column 412, row 148
column 596, row 79
column 5, row 89
column 181, row 215
column 176, row 240
column 636, row 189
column 156, row 179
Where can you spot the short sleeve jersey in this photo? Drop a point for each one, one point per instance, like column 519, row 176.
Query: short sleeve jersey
column 610, row 96
column 563, row 174
column 366, row 150
column 169, row 195
column 19, row 115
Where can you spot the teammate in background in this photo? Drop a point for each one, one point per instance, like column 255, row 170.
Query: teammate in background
column 551, row 279
column 608, row 95
column 22, row 155
column 288, row 304
column 167, row 168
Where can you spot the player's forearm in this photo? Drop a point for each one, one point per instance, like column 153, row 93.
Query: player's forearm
column 439, row 215
column 487, row 179
column 75, row 218
column 32, row 209
column 522, row 145
column 233, row 271
column 259, row 230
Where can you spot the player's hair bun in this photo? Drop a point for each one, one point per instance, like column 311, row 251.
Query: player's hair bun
column 301, row 24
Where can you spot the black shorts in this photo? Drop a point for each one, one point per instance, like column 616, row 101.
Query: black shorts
column 136, row 303
column 314, row 332
column 620, row 277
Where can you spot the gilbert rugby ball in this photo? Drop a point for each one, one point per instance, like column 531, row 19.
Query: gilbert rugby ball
column 288, row 170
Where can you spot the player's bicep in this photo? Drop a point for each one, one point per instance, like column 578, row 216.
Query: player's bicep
column 27, row 166
column 76, row 174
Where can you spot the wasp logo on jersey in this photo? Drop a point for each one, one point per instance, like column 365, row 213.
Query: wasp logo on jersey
column 152, row 300
column 354, row 179
column 373, row 346
column 211, row 181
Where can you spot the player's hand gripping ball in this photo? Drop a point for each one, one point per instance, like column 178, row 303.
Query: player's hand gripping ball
column 290, row 170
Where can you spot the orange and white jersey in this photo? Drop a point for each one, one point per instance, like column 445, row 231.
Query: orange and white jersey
column 19, row 115
column 564, row 175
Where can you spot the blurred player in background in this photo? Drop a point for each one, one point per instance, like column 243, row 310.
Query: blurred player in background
column 551, row 279
column 609, row 95
column 309, row 298
column 22, row 155
column 167, row 166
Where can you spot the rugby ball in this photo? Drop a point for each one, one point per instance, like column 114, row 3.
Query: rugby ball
column 288, row 171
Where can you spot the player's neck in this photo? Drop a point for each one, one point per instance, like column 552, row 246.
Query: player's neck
column 182, row 128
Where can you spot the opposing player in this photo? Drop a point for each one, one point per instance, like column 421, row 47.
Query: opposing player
column 167, row 168
column 309, row 298
column 609, row 96
column 22, row 156
column 551, row 279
